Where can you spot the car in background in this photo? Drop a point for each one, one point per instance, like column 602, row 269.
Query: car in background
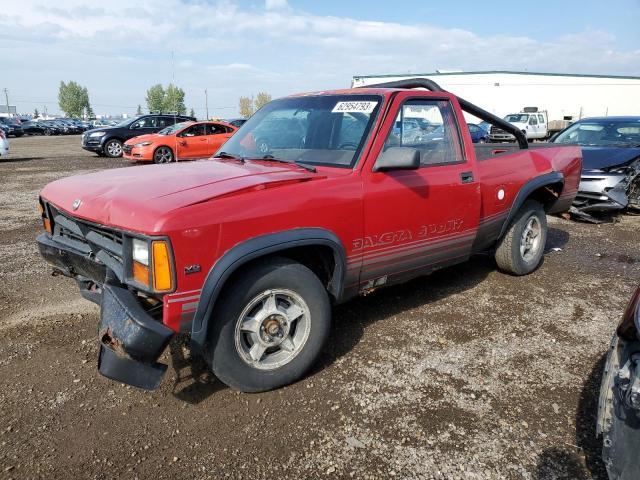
column 109, row 141
column 13, row 125
column 4, row 143
column 53, row 127
column 618, row 420
column 610, row 180
column 276, row 132
column 478, row 134
column 237, row 122
column 185, row 140
column 32, row 127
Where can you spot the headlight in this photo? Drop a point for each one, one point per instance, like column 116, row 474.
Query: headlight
column 142, row 144
column 152, row 266
column 98, row 134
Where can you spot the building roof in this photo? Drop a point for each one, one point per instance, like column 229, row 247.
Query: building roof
column 490, row 72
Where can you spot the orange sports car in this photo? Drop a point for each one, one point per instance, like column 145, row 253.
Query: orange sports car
column 185, row 140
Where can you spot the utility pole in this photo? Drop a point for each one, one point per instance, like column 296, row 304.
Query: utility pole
column 6, row 96
column 206, row 102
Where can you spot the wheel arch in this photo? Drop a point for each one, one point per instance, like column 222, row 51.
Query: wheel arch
column 317, row 248
column 545, row 189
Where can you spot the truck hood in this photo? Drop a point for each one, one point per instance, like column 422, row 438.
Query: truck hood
column 138, row 198
column 603, row 158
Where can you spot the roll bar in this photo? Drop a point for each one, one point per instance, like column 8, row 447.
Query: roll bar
column 464, row 104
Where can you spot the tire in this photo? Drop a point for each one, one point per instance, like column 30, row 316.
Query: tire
column 113, row 148
column 519, row 252
column 47, row 132
column 163, row 155
column 482, row 140
column 292, row 286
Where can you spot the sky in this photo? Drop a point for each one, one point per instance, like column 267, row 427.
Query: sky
column 119, row 48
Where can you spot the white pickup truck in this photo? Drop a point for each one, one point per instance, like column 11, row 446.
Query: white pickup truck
column 531, row 121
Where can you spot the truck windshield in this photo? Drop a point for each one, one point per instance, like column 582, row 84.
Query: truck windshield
column 313, row 130
column 603, row 132
column 517, row 118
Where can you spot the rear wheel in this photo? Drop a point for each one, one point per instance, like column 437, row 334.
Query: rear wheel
column 163, row 155
column 521, row 249
column 113, row 148
column 271, row 326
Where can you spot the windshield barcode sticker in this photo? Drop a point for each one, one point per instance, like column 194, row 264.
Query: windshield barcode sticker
column 354, row 107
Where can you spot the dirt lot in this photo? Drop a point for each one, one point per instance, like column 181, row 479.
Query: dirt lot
column 465, row 374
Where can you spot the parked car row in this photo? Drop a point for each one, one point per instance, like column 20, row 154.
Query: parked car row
column 60, row 126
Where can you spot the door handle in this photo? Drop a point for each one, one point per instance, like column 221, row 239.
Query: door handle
column 466, row 177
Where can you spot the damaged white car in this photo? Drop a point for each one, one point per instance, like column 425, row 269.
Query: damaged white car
column 610, row 179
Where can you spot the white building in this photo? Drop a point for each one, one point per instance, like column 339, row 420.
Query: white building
column 562, row 95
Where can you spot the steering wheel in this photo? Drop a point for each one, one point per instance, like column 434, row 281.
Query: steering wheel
column 347, row 144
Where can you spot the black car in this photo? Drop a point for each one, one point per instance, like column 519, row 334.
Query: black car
column 619, row 405
column 14, row 127
column 51, row 127
column 237, row 122
column 107, row 141
column 31, row 127
column 610, row 179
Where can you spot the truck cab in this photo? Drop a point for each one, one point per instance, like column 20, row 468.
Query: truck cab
column 530, row 121
column 248, row 251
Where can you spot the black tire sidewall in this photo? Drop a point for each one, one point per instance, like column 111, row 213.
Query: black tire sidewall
column 529, row 209
column 225, row 361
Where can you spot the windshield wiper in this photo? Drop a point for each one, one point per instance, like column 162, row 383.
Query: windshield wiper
column 280, row 160
column 229, row 155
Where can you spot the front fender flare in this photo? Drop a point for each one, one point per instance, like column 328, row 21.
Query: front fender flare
column 255, row 248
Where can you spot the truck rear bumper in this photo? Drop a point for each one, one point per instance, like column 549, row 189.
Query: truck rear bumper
column 131, row 341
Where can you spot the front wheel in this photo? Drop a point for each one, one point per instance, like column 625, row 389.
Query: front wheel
column 113, row 148
column 521, row 249
column 163, row 155
column 270, row 326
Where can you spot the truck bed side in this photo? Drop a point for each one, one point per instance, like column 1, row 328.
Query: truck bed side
column 508, row 175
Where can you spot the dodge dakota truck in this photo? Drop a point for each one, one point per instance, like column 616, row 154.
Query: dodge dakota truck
column 247, row 251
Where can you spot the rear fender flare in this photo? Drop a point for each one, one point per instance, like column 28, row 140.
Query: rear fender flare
column 255, row 248
column 525, row 192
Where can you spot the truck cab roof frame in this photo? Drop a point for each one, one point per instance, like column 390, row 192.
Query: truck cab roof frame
column 464, row 105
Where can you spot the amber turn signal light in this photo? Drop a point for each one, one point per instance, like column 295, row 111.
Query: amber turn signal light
column 162, row 275
column 141, row 273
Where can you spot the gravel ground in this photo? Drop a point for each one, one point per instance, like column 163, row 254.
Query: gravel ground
column 465, row 374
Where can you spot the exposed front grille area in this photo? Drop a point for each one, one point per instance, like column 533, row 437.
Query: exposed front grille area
column 102, row 244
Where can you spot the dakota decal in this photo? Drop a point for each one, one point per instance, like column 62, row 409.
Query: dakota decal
column 401, row 236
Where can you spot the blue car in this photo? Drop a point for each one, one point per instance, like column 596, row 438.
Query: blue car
column 478, row 134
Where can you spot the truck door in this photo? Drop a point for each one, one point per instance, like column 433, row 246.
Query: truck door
column 418, row 220
column 534, row 127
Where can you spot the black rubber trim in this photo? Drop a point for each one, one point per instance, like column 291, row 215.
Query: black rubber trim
column 255, row 248
column 464, row 104
column 527, row 189
column 130, row 339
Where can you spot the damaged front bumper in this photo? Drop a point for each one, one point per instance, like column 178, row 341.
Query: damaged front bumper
column 606, row 192
column 131, row 340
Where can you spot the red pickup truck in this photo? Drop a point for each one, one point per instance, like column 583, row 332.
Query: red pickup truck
column 317, row 198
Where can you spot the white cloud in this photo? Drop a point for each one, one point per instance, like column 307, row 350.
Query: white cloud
column 275, row 4
column 117, row 50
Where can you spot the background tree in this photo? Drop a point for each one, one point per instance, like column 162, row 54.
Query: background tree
column 73, row 99
column 139, row 110
column 90, row 113
column 174, row 100
column 262, row 98
column 36, row 113
column 192, row 113
column 245, row 107
column 155, row 98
